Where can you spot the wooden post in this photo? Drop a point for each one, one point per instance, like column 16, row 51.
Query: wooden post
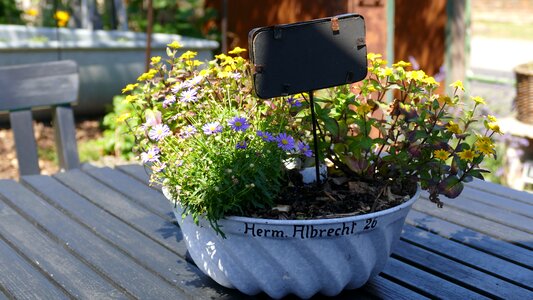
column 457, row 49
column 149, row 34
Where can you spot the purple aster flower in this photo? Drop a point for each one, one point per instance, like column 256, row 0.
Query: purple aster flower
column 266, row 136
column 304, row 149
column 187, row 131
column 285, row 141
column 241, row 145
column 236, row 75
column 153, row 118
column 177, row 88
column 169, row 99
column 212, row 128
column 188, row 96
column 238, row 124
column 159, row 132
column 152, row 155
column 294, row 102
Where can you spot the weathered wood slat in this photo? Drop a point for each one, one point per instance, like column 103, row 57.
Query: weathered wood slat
column 136, row 216
column 102, row 256
column 468, row 256
column 20, row 280
column 498, row 201
column 497, row 189
column 482, row 242
column 459, row 274
column 476, row 223
column 40, row 84
column 52, row 258
column 65, row 136
column 489, row 212
column 382, row 288
column 140, row 173
column 151, row 255
column 149, row 198
column 25, row 145
column 136, row 171
column 426, row 283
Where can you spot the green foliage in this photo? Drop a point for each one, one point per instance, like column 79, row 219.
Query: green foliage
column 218, row 148
column 185, row 17
column 418, row 137
column 115, row 140
column 9, row 13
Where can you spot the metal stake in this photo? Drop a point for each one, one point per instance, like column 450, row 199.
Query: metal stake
column 315, row 138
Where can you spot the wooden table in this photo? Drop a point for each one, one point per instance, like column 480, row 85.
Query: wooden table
column 103, row 233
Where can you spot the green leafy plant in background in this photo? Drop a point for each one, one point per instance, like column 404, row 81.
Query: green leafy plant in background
column 184, row 17
column 9, row 12
column 115, row 141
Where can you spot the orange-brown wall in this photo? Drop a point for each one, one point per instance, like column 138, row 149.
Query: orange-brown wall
column 244, row 15
column 419, row 31
column 419, row 24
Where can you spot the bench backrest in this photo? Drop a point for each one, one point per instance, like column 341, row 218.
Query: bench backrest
column 50, row 84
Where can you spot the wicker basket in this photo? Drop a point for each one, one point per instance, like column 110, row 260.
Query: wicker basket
column 524, row 92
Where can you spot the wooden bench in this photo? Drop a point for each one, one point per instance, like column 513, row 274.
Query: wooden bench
column 43, row 85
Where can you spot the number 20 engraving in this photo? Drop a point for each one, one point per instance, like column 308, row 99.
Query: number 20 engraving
column 370, row 223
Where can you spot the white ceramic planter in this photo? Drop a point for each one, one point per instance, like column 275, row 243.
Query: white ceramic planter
column 301, row 257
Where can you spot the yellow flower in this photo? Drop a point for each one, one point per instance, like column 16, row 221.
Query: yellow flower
column 494, row 127
column 237, row 50
column 223, row 74
column 458, row 85
column 371, row 88
column 478, row 100
column 441, row 154
column 401, row 64
column 204, row 72
column 129, row 99
column 452, row 127
column 194, row 63
column 373, row 56
column 485, row 145
column 148, row 75
column 188, row 55
column 492, row 118
column 468, row 155
column 123, row 117
column 62, row 18
column 386, row 72
column 431, row 81
column 155, row 59
column 483, row 140
column 129, row 87
column 32, row 12
column 417, row 75
column 225, row 60
column 363, row 109
column 174, row 45
column 447, row 100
